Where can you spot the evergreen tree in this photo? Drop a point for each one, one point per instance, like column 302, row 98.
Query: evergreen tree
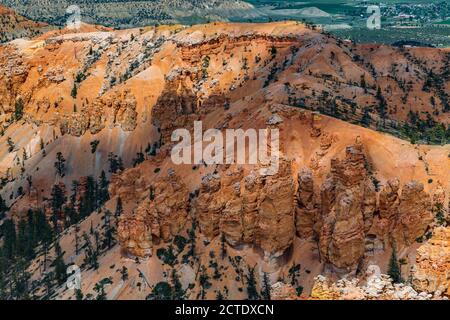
column 8, row 229
column 124, row 273
column 60, row 164
column 266, row 287
column 382, row 104
column 119, row 208
column 58, row 198
column 100, row 288
column 294, row 272
column 3, row 282
column 79, row 294
column 22, row 238
column 88, row 203
column 366, row 118
column 178, row 292
column 3, row 208
column 120, row 164
column 219, row 296
column 363, row 83
column 41, row 228
column 11, row 145
column 18, row 109
column 394, row 267
column 223, row 247
column 251, row 285
column 74, row 91
column 91, row 254
column 108, row 231
column 115, row 163
column 70, row 214
column 20, row 280
column 204, row 282
column 60, row 266
column 77, row 239
column 139, row 159
column 48, row 283
column 103, row 193
column 74, row 190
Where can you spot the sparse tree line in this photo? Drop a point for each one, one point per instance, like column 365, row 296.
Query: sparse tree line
column 37, row 235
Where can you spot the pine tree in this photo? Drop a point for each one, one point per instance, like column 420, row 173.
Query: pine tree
column 119, row 208
column 108, row 231
column 60, row 266
column 18, row 110
column 115, row 163
column 100, row 289
column 11, row 145
column 139, row 158
column 22, row 238
column 366, row 118
column 70, row 214
column 41, row 228
column 382, row 106
column 91, row 255
column 394, row 267
column 74, row 190
column 266, row 287
column 251, row 285
column 3, row 208
column 77, row 239
column 219, row 296
column 124, row 273
column 178, row 292
column 103, row 194
column 88, row 203
column 48, row 283
column 58, row 198
column 8, row 229
column 74, row 91
column 20, row 280
column 294, row 272
column 204, row 282
column 79, row 294
column 60, row 164
column 223, row 247
column 120, row 164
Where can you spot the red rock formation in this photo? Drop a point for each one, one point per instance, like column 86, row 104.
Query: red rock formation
column 251, row 209
column 276, row 223
column 432, row 269
column 348, row 203
column 306, row 211
column 414, row 213
column 159, row 217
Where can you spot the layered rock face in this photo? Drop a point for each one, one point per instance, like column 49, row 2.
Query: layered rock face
column 403, row 217
column 307, row 209
column 414, row 213
column 276, row 224
column 432, row 269
column 249, row 209
column 346, row 218
column 348, row 201
column 159, row 217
